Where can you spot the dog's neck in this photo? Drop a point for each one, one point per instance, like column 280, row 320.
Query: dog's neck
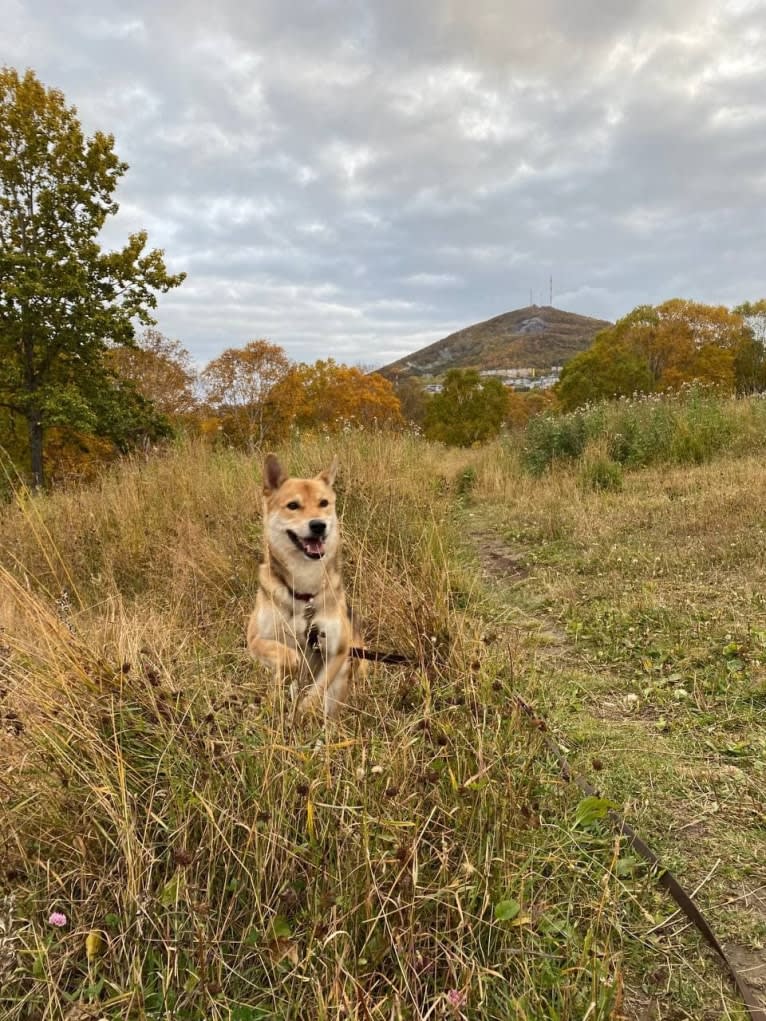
column 309, row 582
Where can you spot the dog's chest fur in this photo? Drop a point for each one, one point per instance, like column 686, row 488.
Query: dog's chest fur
column 288, row 619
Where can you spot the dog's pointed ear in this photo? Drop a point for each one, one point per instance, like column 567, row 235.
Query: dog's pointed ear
column 273, row 475
column 328, row 475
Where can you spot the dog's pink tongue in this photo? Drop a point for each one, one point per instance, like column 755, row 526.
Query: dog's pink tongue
column 315, row 545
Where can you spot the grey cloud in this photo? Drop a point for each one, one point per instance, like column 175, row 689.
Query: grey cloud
column 363, row 178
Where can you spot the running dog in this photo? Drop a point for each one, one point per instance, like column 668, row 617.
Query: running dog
column 301, row 626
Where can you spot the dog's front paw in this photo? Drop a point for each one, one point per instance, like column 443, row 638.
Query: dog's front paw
column 289, row 661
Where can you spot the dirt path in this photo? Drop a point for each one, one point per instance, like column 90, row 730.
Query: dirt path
column 697, row 820
column 498, row 560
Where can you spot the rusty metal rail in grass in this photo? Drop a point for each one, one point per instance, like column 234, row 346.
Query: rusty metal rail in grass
column 664, row 876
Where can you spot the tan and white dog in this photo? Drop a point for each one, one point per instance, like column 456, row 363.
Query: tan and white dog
column 301, row 626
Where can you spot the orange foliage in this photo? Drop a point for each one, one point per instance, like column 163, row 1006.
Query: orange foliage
column 663, row 347
column 525, row 405
column 248, row 390
column 71, row 455
column 161, row 370
column 256, row 396
column 210, row 428
column 683, row 341
column 335, row 396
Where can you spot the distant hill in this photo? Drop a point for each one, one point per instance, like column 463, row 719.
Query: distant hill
column 537, row 337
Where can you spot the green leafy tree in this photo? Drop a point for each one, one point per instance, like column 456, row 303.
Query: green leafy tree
column 604, row 371
column 470, row 409
column 64, row 301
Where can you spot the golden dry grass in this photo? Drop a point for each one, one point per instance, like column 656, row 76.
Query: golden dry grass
column 422, row 858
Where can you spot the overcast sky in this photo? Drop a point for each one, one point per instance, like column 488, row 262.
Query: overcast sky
column 357, row 179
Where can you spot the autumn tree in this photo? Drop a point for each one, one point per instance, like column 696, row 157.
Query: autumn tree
column 469, row 409
column 750, row 358
column 333, row 396
column 523, row 405
column 161, row 370
column 608, row 369
column 412, row 397
column 63, row 300
column 656, row 348
column 249, row 389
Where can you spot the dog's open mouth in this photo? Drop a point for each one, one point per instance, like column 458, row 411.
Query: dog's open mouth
column 311, row 547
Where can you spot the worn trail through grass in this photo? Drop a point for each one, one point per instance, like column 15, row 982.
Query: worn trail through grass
column 640, row 626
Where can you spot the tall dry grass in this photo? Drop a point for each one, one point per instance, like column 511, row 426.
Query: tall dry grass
column 417, row 860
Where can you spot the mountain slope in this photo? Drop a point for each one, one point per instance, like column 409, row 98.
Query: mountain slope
column 538, row 336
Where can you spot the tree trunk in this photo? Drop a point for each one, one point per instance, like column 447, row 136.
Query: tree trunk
column 35, row 428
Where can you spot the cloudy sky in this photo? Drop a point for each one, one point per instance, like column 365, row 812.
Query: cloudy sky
column 357, row 178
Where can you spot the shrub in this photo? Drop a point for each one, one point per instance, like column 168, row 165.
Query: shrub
column 601, row 473
column 466, row 482
column 551, row 438
column 688, row 427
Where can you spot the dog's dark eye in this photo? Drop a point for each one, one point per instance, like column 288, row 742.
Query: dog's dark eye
column 293, row 505
column 324, row 503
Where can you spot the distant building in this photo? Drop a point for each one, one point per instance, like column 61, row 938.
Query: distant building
column 515, row 379
column 508, row 373
column 528, row 379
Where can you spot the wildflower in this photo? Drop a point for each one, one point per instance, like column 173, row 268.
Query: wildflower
column 57, row 918
column 456, row 998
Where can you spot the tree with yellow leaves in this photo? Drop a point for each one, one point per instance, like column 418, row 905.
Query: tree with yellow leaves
column 333, row 397
column 657, row 348
column 247, row 390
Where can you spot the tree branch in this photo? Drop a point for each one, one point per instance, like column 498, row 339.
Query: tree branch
column 12, row 407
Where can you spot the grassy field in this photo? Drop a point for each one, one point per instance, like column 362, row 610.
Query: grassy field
column 641, row 623
column 424, row 857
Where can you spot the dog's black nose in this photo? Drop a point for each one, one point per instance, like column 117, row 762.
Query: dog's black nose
column 318, row 528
